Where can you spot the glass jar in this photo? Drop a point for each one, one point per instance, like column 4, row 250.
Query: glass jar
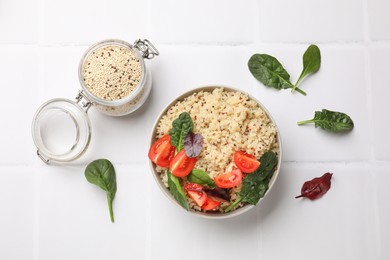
column 61, row 128
column 138, row 95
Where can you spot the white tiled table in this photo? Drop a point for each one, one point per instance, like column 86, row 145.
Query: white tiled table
column 52, row 212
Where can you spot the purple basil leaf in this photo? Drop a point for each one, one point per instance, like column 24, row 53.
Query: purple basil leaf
column 218, row 192
column 193, row 144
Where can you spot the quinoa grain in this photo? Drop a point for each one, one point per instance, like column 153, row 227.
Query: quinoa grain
column 112, row 72
column 229, row 121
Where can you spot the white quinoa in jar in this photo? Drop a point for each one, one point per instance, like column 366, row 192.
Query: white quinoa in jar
column 112, row 72
column 114, row 76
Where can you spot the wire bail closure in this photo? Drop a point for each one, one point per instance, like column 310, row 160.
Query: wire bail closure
column 86, row 104
column 146, row 48
column 46, row 161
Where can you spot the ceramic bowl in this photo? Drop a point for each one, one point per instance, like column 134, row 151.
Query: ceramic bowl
column 166, row 192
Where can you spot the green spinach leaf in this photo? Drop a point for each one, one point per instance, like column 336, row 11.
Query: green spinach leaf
column 311, row 63
column 269, row 71
column 181, row 126
column 255, row 185
column 201, row 177
column 101, row 172
column 331, row 121
column 177, row 190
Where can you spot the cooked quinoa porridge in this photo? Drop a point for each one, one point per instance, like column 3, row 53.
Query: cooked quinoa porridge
column 229, row 121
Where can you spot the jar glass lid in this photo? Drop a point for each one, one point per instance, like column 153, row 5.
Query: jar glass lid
column 61, row 131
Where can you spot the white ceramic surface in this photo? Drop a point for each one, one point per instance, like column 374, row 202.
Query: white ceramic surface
column 51, row 212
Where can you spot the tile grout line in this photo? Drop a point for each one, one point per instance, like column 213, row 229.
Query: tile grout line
column 149, row 222
column 148, row 210
column 149, row 19
column 215, row 44
column 256, row 33
column 37, row 179
column 259, row 230
column 39, row 164
column 42, row 11
column 367, row 76
column 256, row 41
column 210, row 44
column 36, row 222
column 369, row 89
column 148, row 242
column 37, row 187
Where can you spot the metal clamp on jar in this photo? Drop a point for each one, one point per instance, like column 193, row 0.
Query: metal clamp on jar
column 114, row 79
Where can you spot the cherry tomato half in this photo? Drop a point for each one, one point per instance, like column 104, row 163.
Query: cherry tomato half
column 161, row 152
column 196, row 193
column 229, row 180
column 245, row 162
column 210, row 204
column 181, row 165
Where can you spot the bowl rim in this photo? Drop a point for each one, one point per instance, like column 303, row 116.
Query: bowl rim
column 165, row 190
